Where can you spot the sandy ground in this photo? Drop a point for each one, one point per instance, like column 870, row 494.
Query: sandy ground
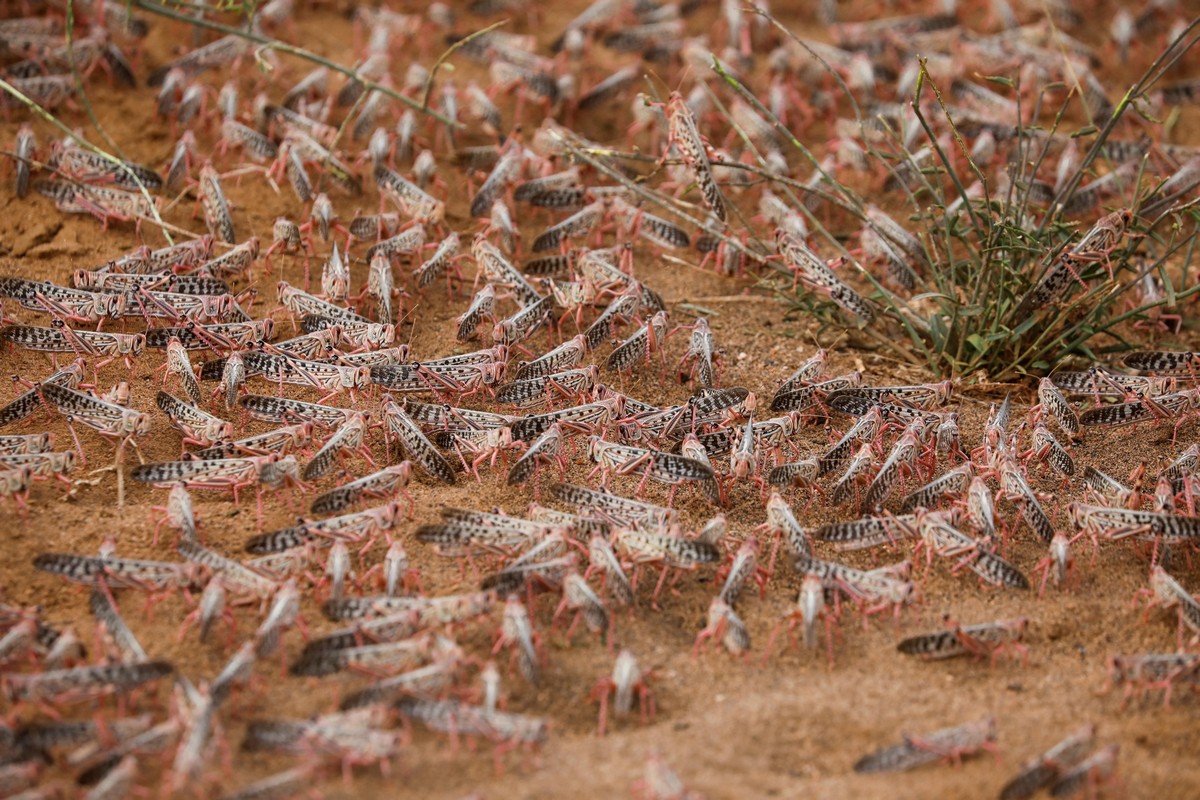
column 730, row 728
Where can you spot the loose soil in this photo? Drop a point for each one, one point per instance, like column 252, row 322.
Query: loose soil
column 731, row 728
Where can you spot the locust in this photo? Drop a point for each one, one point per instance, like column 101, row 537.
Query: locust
column 216, row 207
column 197, row 426
column 1095, row 246
column 68, row 305
column 867, row 532
column 25, row 404
column 102, row 202
column 279, row 442
column 116, row 573
column 1016, row 487
column 640, row 344
column 856, row 469
column 357, row 527
column 568, row 355
column 673, row 423
column 83, row 682
column 454, row 717
column 282, row 410
column 108, row 419
column 683, row 133
column 1119, row 523
column 348, row 438
column 1052, row 400
column 572, row 384
column 802, row 397
column 517, row 632
column 902, row 458
column 302, row 304
column 102, row 280
column 409, row 197
column 1142, row 410
column 1163, row 362
column 75, row 161
column 810, row 267
column 40, row 464
column 782, row 525
column 1047, row 448
column 485, row 444
column 1046, row 768
column 179, row 365
column 327, row 377
column 624, row 306
column 415, row 443
column 504, row 173
column 227, row 336
column 386, row 483
column 180, row 308
column 578, row 225
column 25, row 443
column 795, row 473
column 1097, row 768
column 26, row 145
column 806, row 374
column 386, row 627
column 425, row 611
column 984, row 640
column 579, row 597
column 618, row 459
column 436, row 264
column 232, row 263
column 881, row 586
column 436, row 377
column 461, row 528
column 434, row 417
column 769, row 434
column 211, row 473
column 524, row 323
column 941, row 537
column 947, row 743
column 236, row 576
column 946, row 486
column 482, row 305
column 980, row 508
column 1154, row 670
column 847, row 402
column 408, row 241
column 1166, row 591
column 603, row 559
column 62, row 339
column 669, row 551
column 217, row 53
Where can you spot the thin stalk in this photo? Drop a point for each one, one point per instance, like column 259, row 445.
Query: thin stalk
column 298, row 52
column 787, row 134
column 79, row 89
column 437, row 65
column 922, row 76
column 570, row 142
column 37, row 109
column 1165, row 60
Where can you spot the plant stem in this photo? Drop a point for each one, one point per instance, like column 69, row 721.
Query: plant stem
column 298, row 52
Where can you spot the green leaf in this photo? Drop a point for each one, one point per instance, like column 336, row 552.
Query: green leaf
column 938, row 332
column 1025, row 326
